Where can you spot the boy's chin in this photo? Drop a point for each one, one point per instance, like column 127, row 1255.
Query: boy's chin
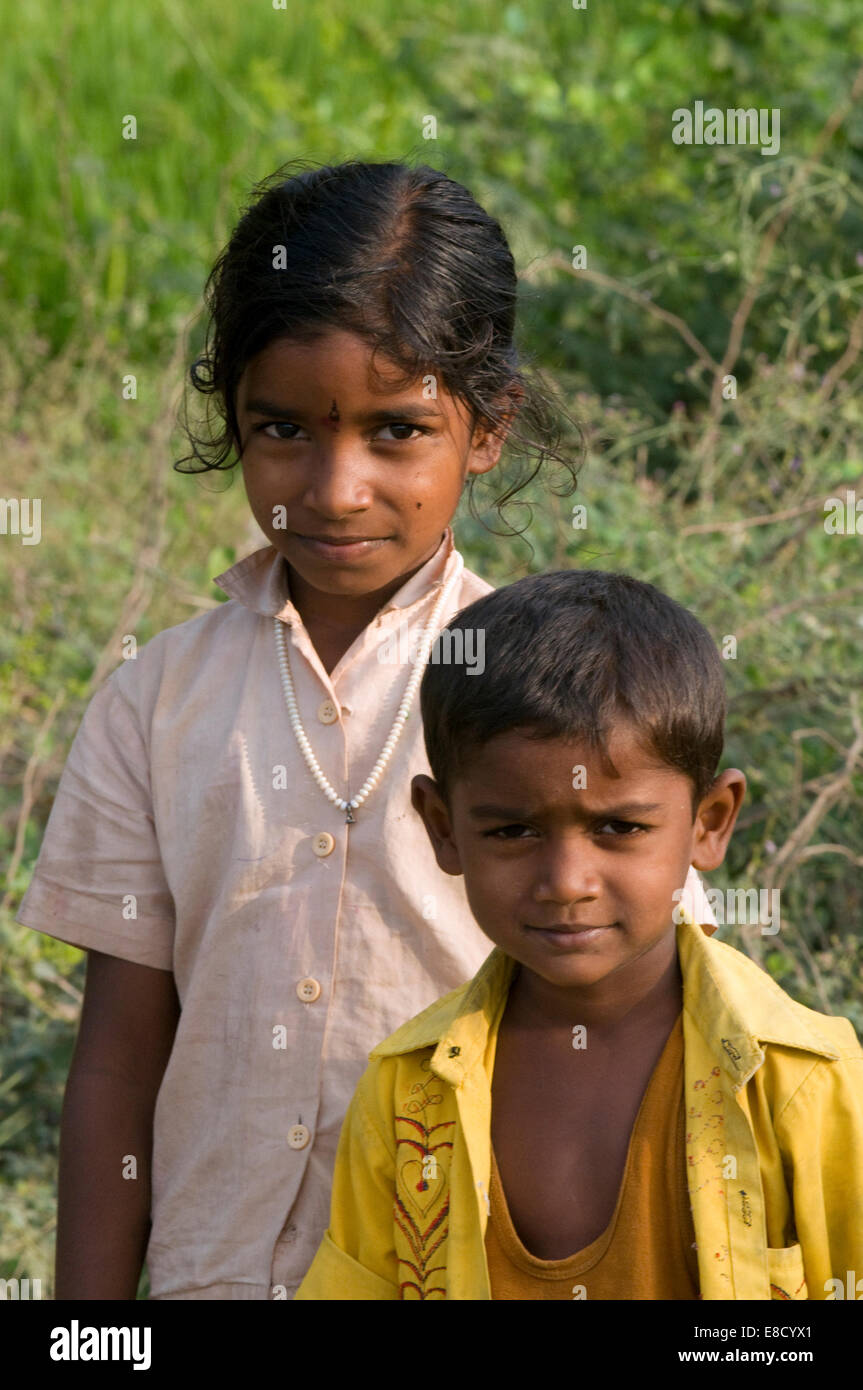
column 572, row 973
column 570, row 965
column 562, row 967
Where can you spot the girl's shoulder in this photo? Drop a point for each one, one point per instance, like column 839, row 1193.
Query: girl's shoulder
column 198, row 648
column 473, row 586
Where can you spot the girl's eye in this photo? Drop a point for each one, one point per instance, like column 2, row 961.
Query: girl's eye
column 275, row 429
column 404, row 425
column 279, row 425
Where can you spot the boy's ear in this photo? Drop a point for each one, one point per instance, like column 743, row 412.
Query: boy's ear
column 427, row 800
column 715, row 820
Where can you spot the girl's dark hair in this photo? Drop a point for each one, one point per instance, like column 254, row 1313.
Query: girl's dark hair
column 568, row 655
column 402, row 256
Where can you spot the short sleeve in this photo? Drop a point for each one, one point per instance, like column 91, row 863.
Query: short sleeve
column 99, row 882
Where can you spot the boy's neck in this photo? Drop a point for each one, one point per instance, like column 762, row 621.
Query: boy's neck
column 626, row 1003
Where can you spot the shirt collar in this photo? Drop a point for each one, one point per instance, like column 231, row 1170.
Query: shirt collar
column 261, row 581
column 735, row 1006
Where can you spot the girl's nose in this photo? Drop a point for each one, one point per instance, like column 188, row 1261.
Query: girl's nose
column 337, row 482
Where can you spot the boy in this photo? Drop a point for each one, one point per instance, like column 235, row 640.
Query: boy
column 616, row 1106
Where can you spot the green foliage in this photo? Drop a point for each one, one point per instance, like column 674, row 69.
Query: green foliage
column 559, row 121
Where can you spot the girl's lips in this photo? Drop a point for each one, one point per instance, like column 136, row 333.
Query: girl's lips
column 341, row 552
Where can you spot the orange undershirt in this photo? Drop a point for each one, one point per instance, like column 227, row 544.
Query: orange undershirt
column 647, row 1250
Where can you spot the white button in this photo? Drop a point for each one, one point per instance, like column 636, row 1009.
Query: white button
column 327, row 712
column 308, row 990
column 323, row 844
column 298, row 1136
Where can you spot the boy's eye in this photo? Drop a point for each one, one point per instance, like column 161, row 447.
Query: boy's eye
column 623, row 830
column 628, row 827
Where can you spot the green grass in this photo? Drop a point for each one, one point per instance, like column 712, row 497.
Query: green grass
column 559, row 123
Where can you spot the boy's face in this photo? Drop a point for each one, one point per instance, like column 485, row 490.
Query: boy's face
column 350, row 459
column 576, row 884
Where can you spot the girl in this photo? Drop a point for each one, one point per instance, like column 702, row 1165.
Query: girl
column 232, row 839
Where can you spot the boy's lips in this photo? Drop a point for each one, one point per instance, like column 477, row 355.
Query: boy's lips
column 575, row 926
column 562, row 935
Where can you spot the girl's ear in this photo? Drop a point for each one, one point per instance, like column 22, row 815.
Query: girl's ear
column 233, row 425
column 489, row 437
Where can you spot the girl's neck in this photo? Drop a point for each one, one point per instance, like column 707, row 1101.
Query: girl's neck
column 342, row 615
column 336, row 613
column 335, row 621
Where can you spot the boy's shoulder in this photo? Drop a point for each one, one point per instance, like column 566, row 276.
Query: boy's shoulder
column 427, row 1028
column 399, row 1067
column 409, row 1070
column 441, row 1044
column 463, row 1016
column 762, row 1007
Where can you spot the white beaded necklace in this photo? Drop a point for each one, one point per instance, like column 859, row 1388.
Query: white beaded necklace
column 379, row 768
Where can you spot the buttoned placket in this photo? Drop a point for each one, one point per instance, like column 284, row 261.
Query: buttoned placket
column 747, row 1218
column 467, row 1065
column 328, row 843
column 330, row 840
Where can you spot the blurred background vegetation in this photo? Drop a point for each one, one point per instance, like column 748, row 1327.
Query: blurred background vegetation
column 702, row 261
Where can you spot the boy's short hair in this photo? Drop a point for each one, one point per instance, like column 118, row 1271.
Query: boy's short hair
column 569, row 654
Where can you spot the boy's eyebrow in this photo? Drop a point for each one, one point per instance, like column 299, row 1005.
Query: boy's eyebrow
column 258, row 406
column 489, row 811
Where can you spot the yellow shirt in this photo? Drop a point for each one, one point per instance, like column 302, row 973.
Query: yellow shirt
column 773, row 1143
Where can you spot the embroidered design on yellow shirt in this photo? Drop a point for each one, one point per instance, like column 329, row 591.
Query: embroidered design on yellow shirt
column 421, row 1208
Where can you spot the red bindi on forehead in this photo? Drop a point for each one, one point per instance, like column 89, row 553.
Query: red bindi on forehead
column 333, row 418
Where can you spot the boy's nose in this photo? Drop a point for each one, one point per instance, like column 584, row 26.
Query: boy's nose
column 568, row 874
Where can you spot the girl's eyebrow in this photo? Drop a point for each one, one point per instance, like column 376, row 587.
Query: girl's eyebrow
column 423, row 409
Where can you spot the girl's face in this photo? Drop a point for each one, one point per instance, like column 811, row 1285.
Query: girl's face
column 352, row 482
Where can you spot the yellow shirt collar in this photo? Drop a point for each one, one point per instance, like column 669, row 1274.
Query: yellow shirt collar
column 735, row 1004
